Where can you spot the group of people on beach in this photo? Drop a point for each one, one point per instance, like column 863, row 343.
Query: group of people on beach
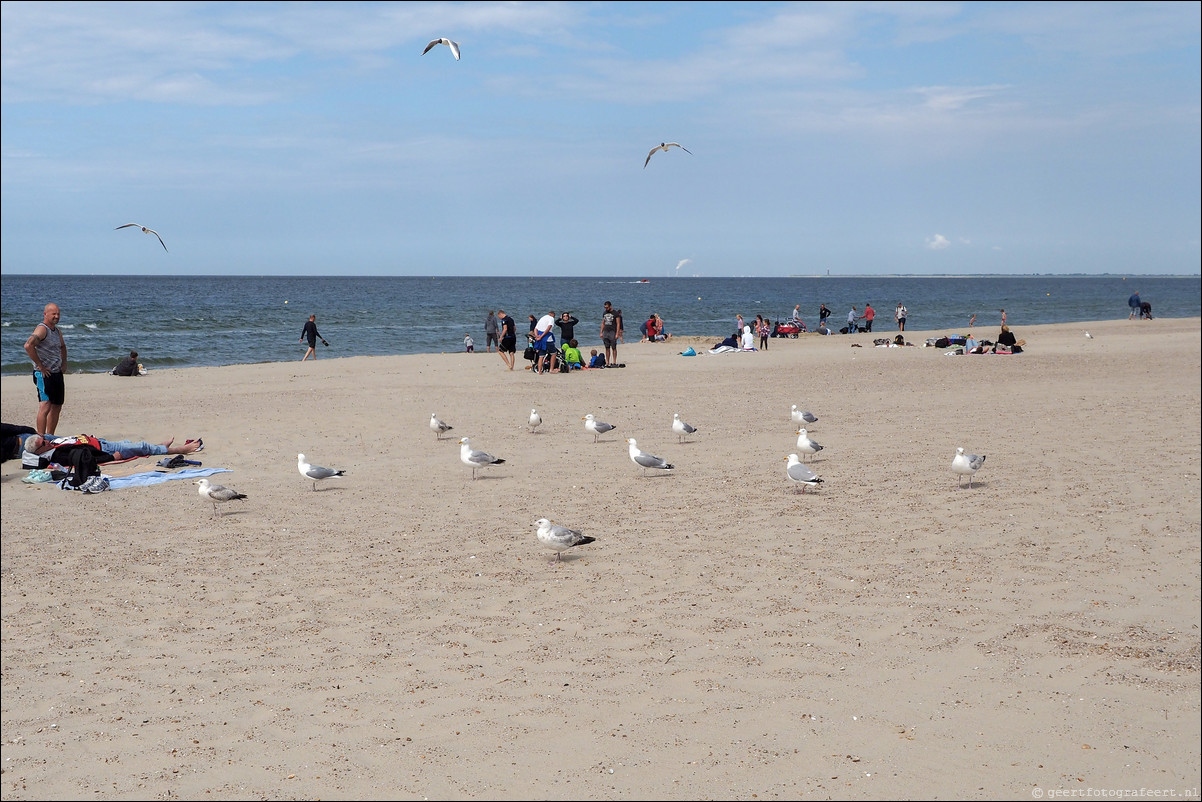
column 548, row 353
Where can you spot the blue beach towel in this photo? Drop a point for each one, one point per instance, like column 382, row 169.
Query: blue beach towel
column 156, row 478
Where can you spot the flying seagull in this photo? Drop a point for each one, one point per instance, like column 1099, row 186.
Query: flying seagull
column 535, row 420
column 443, row 41
column 681, row 428
column 597, row 427
column 145, row 230
column 664, row 147
column 560, row 538
column 217, row 494
column 801, row 473
column 315, row 472
column 475, row 459
column 645, row 460
column 966, row 465
column 438, row 427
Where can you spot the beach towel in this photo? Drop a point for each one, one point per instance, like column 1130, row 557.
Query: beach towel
column 157, row 478
column 722, row 349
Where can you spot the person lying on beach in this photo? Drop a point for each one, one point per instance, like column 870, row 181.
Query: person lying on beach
column 38, row 448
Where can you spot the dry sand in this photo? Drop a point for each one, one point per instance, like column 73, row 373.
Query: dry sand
column 400, row 634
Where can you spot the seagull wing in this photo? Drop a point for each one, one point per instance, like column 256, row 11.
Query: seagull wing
column 454, row 48
column 430, row 46
column 152, row 231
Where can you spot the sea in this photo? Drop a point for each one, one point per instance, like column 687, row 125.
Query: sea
column 195, row 321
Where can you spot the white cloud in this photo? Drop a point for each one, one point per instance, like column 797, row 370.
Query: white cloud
column 938, row 242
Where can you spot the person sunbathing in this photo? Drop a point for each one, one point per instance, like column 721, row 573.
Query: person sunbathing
column 37, row 446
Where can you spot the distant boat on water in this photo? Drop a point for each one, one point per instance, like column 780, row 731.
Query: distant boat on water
column 644, row 281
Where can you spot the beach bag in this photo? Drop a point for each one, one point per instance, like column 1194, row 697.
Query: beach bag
column 688, row 352
column 530, row 353
column 942, row 342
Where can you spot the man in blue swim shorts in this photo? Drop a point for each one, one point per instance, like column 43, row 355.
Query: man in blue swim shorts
column 49, row 354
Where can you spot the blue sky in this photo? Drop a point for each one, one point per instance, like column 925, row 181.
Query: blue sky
column 854, row 138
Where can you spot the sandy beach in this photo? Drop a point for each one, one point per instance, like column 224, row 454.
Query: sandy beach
column 400, row 633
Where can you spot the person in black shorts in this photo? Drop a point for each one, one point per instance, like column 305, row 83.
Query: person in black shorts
column 310, row 332
column 48, row 351
column 509, row 339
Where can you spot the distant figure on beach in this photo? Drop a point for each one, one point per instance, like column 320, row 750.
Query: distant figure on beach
column 544, row 343
column 309, row 332
column 852, row 317
column 900, row 314
column 609, row 333
column 508, row 345
column 469, row 345
column 763, row 327
column 48, row 351
column 661, row 332
column 1003, row 318
column 118, row 449
column 1133, row 305
column 1145, row 310
column 869, row 314
column 823, row 314
column 971, row 321
column 491, row 333
column 1007, row 343
column 127, row 366
column 739, row 323
column 797, row 315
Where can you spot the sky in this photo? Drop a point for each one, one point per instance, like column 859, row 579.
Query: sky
column 842, row 138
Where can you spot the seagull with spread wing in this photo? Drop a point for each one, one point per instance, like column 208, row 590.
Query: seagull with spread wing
column 145, row 230
column 664, row 147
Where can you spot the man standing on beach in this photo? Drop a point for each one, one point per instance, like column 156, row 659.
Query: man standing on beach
column 508, row 345
column 900, row 314
column 852, row 317
column 1133, row 303
column 48, row 351
column 609, row 333
column 869, row 314
column 490, row 332
column 544, row 342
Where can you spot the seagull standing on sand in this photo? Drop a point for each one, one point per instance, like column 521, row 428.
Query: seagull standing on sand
column 681, row 428
column 801, row 473
column 438, row 427
column 805, row 445
column 803, row 415
column 1088, row 336
column 475, row 459
column 597, row 427
column 145, row 230
column 315, row 472
column 443, row 41
column 645, row 460
column 535, row 420
column 664, row 147
column 217, row 494
column 966, row 465
column 560, row 538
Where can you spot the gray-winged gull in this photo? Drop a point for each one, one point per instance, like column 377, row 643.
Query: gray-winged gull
column 801, row 473
column 560, row 538
column 315, row 472
column 475, row 459
column 966, row 465
column 803, row 415
column 536, row 420
column 680, row 427
column 805, row 445
column 438, row 427
column 597, row 427
column 645, row 460
column 217, row 494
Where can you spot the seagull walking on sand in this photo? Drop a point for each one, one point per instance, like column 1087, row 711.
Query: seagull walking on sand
column 475, row 459
column 438, row 427
column 803, row 415
column 1088, row 336
column 597, row 427
column 681, row 428
column 536, row 420
column 443, row 41
column 664, row 147
column 217, row 494
column 801, row 473
column 805, row 445
column 560, row 538
column 645, row 460
column 315, row 472
column 966, row 465
column 145, row 230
